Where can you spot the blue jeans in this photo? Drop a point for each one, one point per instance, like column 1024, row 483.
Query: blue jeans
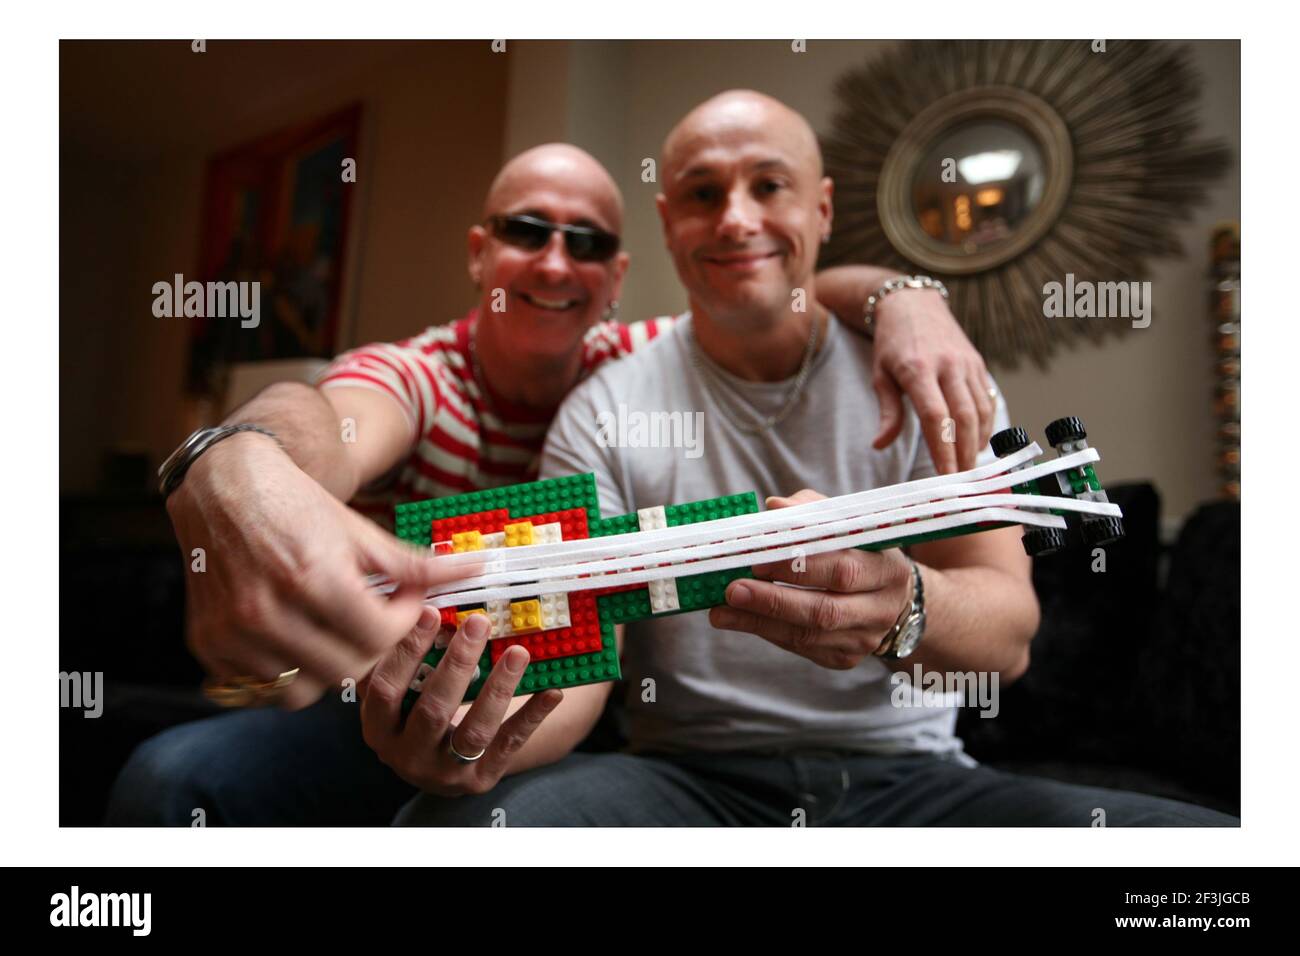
column 260, row 768
column 311, row 768
column 812, row 789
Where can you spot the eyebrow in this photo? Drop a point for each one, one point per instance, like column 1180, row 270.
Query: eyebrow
column 762, row 165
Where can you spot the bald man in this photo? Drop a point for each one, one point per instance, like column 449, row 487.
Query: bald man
column 456, row 408
column 784, row 705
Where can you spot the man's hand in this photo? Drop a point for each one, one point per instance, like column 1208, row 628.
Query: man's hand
column 418, row 749
column 921, row 350
column 284, row 563
column 860, row 595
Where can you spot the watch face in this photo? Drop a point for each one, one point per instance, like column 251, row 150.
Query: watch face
column 910, row 636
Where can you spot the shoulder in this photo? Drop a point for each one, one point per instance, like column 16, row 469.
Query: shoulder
column 644, row 363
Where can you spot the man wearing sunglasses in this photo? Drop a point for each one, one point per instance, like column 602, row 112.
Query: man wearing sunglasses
column 283, row 613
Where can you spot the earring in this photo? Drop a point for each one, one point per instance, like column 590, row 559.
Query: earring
column 611, row 312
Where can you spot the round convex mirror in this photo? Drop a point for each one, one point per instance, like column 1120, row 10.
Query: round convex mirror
column 975, row 180
column 977, row 184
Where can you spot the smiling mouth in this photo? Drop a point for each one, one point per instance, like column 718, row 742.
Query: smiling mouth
column 549, row 304
column 745, row 260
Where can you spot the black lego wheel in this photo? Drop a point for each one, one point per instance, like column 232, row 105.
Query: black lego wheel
column 1099, row 531
column 1042, row 541
column 1065, row 429
column 1009, row 441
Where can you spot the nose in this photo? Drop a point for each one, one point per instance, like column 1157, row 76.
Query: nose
column 552, row 262
column 742, row 216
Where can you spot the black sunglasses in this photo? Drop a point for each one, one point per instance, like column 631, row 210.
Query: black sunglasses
column 585, row 243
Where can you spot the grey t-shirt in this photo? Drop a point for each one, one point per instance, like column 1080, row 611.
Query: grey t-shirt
column 722, row 690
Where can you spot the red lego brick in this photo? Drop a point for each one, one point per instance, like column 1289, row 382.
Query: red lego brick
column 573, row 523
column 582, row 636
column 484, row 521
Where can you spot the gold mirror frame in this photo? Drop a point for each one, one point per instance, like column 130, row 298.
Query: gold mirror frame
column 1136, row 165
column 895, row 202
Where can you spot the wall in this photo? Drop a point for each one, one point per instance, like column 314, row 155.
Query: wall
column 138, row 123
column 1146, row 397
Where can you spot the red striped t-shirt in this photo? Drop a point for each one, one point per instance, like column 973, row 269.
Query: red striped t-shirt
column 460, row 441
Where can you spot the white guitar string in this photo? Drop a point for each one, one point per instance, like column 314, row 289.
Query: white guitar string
column 729, row 562
column 922, row 489
column 648, row 545
column 673, row 560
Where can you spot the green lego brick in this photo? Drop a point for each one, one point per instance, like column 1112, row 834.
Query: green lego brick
column 620, row 607
column 696, row 592
column 415, row 519
column 711, row 509
column 623, row 524
column 433, row 657
column 576, row 670
column 1087, row 481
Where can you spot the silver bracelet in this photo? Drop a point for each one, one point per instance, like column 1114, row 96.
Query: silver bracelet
column 894, row 285
column 179, row 461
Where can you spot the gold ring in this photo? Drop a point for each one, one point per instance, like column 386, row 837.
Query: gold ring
column 993, row 394
column 248, row 691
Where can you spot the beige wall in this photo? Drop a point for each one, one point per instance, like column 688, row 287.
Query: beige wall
column 1146, row 397
column 130, row 217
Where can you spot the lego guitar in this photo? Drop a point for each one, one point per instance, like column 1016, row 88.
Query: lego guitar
column 553, row 575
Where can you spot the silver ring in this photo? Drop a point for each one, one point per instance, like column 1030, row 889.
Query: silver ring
column 993, row 394
column 460, row 757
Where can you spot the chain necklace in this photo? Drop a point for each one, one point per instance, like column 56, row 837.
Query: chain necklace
column 715, row 384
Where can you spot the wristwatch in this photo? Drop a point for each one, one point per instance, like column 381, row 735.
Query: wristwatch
column 179, row 461
column 894, row 285
column 910, row 626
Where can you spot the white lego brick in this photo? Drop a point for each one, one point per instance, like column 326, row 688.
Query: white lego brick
column 555, row 611
column 550, row 533
column 651, row 519
column 663, row 596
column 423, row 671
column 495, row 540
column 498, row 613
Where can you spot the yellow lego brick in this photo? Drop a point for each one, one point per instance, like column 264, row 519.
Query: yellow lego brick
column 466, row 541
column 525, row 616
column 519, row 533
column 461, row 615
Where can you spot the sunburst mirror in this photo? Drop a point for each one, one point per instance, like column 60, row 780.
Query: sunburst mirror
column 1000, row 166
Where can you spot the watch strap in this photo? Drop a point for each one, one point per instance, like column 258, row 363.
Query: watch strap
column 915, row 606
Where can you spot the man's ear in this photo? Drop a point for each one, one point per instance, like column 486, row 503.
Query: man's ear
column 621, row 263
column 661, row 203
column 825, row 205
column 477, row 241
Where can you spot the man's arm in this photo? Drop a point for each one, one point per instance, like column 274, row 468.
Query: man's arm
column 921, row 351
column 981, row 610
column 283, row 584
